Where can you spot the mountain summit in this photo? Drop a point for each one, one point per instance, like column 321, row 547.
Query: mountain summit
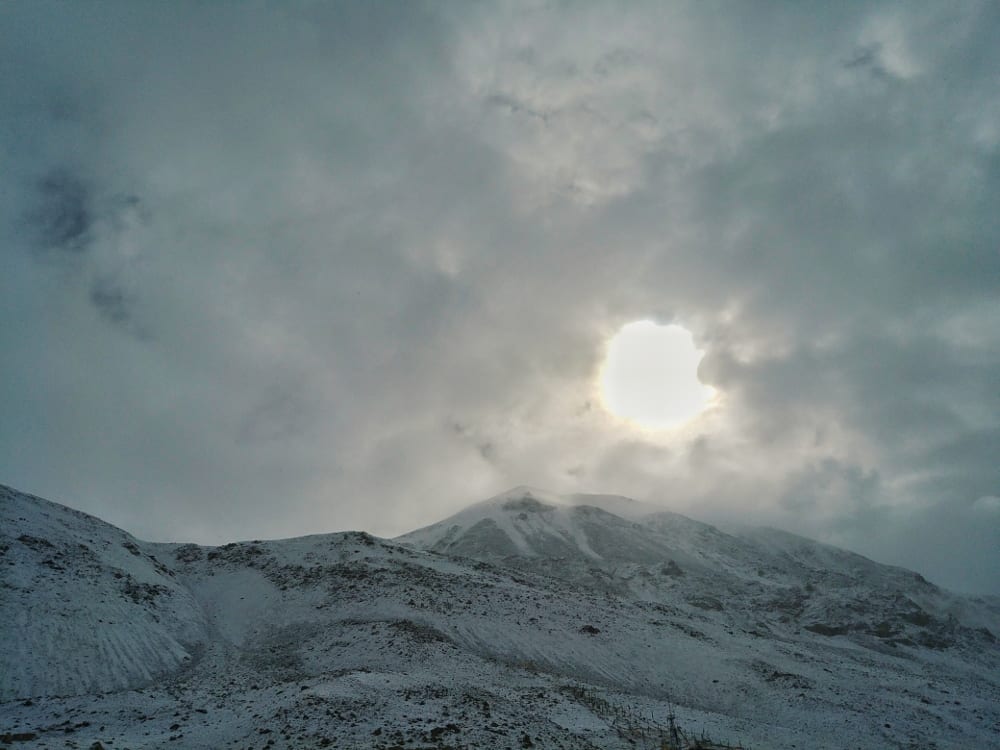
column 526, row 620
column 528, row 522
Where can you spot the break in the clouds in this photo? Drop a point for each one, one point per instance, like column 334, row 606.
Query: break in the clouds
column 279, row 268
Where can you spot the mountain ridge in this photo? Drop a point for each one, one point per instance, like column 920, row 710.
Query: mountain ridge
column 346, row 638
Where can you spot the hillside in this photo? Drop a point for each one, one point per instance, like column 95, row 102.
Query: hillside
column 528, row 620
column 86, row 607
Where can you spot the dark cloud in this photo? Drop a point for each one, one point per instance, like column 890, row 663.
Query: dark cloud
column 355, row 265
column 111, row 301
column 62, row 217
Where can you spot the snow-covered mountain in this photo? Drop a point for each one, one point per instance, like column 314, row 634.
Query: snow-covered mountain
column 528, row 620
column 764, row 579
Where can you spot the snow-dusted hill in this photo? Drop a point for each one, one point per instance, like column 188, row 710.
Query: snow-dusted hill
column 85, row 607
column 529, row 620
column 761, row 579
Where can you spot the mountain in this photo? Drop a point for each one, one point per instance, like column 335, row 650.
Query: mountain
column 762, row 579
column 527, row 620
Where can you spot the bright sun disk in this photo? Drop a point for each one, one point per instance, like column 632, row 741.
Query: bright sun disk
column 650, row 375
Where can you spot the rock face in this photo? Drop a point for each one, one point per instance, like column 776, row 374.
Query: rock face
column 526, row 620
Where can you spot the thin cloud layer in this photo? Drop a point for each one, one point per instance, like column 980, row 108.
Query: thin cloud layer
column 274, row 270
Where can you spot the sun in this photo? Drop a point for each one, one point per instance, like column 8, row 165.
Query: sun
column 650, row 376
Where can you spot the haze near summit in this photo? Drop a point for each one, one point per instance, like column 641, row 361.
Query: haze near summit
column 271, row 270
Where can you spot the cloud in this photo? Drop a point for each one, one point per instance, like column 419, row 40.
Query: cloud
column 987, row 505
column 304, row 268
column 62, row 217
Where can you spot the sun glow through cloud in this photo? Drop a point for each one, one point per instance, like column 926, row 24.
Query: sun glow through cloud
column 650, row 376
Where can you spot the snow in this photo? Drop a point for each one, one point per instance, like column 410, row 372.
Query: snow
column 524, row 614
column 77, row 596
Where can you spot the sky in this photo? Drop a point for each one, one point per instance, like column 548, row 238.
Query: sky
column 277, row 268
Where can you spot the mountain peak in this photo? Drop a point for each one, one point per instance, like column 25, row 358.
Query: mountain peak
column 528, row 504
column 525, row 492
column 532, row 523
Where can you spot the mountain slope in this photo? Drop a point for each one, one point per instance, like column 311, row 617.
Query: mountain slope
column 348, row 640
column 86, row 607
column 759, row 579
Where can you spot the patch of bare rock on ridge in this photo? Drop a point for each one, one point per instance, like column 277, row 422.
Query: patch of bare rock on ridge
column 528, row 620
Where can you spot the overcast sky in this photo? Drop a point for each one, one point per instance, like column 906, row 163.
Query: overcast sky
column 278, row 268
